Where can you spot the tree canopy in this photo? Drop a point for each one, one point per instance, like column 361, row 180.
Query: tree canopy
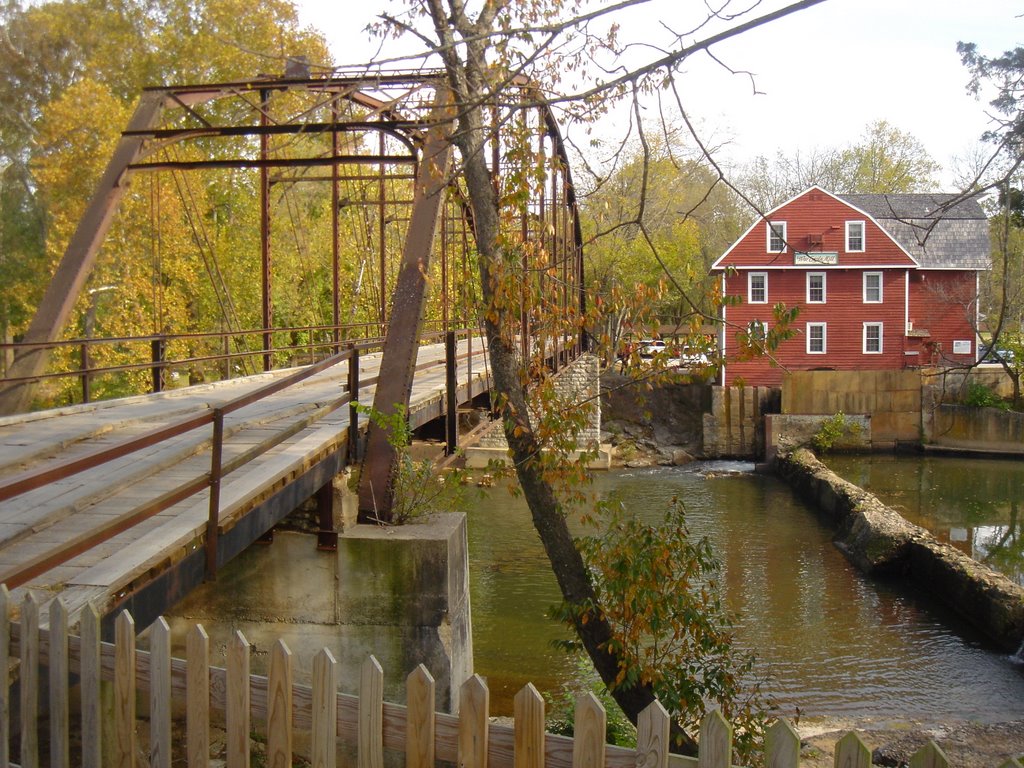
column 1002, row 79
column 884, row 160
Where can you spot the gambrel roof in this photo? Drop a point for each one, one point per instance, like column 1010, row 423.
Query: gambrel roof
column 941, row 231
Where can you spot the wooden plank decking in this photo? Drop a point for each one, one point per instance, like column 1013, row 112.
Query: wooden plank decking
column 73, row 508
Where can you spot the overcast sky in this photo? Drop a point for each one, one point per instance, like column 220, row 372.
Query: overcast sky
column 825, row 72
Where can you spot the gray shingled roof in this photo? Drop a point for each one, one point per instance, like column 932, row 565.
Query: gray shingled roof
column 941, row 231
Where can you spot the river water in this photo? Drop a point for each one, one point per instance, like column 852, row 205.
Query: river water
column 835, row 643
column 977, row 505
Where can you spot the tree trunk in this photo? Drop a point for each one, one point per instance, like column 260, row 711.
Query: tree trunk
column 593, row 630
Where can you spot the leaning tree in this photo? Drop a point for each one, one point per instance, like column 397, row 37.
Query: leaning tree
column 572, row 53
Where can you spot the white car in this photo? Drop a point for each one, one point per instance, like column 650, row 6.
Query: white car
column 651, row 347
column 691, row 358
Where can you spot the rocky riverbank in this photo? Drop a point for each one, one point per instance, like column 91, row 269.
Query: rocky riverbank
column 652, row 425
column 965, row 744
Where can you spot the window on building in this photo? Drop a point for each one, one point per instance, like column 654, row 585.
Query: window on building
column 815, row 287
column 757, row 332
column 855, row 236
column 872, row 338
column 776, row 237
column 872, row 287
column 816, row 338
column 757, row 288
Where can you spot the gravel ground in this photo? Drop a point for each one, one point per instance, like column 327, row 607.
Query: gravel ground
column 965, row 744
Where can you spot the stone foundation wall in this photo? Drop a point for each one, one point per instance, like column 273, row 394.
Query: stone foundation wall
column 578, row 382
column 878, row 540
column 893, row 398
column 964, row 428
column 786, row 432
column 403, row 595
column 945, row 383
column 400, row 593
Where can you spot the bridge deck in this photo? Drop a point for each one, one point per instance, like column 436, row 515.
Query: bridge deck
column 72, row 509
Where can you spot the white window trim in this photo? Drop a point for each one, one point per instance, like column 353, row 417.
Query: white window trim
column 824, row 288
column 864, row 338
column 750, row 287
column 824, row 338
column 757, row 330
column 865, row 288
column 863, row 237
column 768, row 236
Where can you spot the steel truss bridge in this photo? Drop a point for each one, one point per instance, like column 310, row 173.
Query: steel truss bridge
column 351, row 200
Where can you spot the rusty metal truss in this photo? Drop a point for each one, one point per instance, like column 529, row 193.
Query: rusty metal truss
column 382, row 141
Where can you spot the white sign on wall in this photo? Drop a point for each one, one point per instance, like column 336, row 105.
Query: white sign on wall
column 805, row 258
column 961, row 347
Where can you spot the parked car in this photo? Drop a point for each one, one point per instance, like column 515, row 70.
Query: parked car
column 651, row 347
column 692, row 358
column 996, row 356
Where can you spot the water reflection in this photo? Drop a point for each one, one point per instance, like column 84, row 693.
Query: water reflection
column 973, row 504
column 835, row 643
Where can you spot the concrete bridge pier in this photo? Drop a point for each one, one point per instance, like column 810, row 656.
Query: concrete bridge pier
column 399, row 593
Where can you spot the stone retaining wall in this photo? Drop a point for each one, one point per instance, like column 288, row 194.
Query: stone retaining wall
column 880, row 541
column 966, row 428
column 786, row 432
column 579, row 382
column 398, row 592
column 735, row 426
column 893, row 398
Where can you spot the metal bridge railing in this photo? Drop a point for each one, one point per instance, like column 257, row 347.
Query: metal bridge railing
column 33, row 479
column 220, row 355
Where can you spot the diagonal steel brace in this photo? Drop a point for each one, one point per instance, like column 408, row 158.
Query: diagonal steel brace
column 397, row 368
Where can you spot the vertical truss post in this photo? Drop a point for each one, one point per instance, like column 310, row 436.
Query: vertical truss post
column 542, row 241
column 382, row 223
column 268, row 337
column 398, row 363
column 79, row 256
column 451, row 383
column 213, row 518
column 353, row 414
column 85, row 363
column 444, row 268
column 158, row 350
column 335, row 235
column 465, row 308
column 558, row 248
column 327, row 533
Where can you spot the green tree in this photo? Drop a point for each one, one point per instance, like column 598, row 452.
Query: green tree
column 1000, row 78
column 75, row 68
column 661, row 214
column 884, row 160
column 1002, row 294
column 887, row 160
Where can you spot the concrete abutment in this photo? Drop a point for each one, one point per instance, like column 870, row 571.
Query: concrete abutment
column 400, row 593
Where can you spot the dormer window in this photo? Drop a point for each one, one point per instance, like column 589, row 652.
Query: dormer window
column 855, row 236
column 776, row 237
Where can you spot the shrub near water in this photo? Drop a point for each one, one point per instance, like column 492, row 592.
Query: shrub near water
column 980, row 396
column 658, row 587
column 832, row 430
column 418, row 489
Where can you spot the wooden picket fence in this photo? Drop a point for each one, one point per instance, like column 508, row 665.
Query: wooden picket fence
column 365, row 722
